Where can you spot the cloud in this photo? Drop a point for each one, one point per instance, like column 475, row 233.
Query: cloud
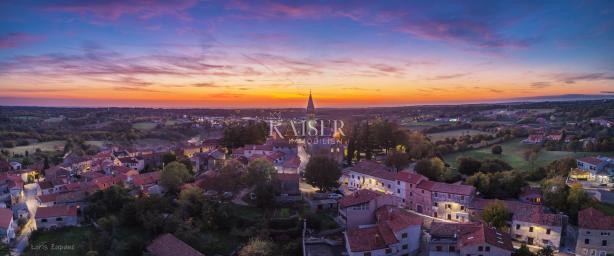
column 134, row 89
column 608, row 92
column 17, row 39
column 113, row 10
column 205, row 85
column 448, row 76
column 570, row 78
column 540, row 84
column 386, row 68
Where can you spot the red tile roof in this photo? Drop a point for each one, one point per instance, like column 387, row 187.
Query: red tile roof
column 468, row 234
column 591, row 160
column 146, row 178
column 592, row 218
column 358, row 197
column 56, row 211
column 395, row 218
column 48, row 198
column 288, row 177
column 446, row 187
column 6, row 216
column 410, row 177
column 169, row 245
column 525, row 212
column 375, row 169
column 365, row 239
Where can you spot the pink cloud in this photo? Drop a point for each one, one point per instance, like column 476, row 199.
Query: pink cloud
column 113, row 10
column 15, row 40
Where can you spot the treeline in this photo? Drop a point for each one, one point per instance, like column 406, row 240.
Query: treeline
column 240, row 134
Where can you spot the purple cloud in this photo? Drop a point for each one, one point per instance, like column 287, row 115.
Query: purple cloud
column 16, row 39
column 570, row 78
column 113, row 10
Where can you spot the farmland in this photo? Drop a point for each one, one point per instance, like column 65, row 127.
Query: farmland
column 513, row 152
column 453, row 134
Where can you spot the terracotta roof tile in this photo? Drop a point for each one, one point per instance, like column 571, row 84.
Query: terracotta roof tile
column 169, row 245
column 56, row 211
column 592, row 218
column 375, row 169
column 6, row 215
column 358, row 197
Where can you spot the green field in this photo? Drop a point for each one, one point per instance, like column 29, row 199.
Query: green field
column 43, row 146
column 144, row 126
column 453, row 134
column 64, row 241
column 513, row 154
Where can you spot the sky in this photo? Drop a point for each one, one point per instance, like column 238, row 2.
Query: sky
column 253, row 54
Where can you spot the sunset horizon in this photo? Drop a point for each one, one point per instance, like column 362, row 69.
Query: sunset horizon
column 270, row 54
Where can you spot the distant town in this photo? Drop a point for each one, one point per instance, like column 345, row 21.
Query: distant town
column 482, row 179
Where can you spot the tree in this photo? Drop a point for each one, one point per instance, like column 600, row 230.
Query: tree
column 105, row 202
column 496, row 150
column 322, row 172
column 496, row 214
column 265, row 195
column 561, row 167
column 168, row 158
column 258, row 247
column 397, row 160
column 531, row 155
column 523, row 251
column 468, row 165
column 546, row 251
column 260, row 171
column 577, row 199
column 173, row 176
column 494, row 165
column 191, row 202
column 46, row 163
column 555, row 193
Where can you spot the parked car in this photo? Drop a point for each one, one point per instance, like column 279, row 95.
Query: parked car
column 334, row 196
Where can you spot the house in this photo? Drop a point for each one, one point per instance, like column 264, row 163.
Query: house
column 406, row 186
column 601, row 168
column 288, row 187
column 56, row 216
column 359, row 208
column 136, row 163
column 530, row 224
column 46, row 187
column 168, row 245
column 595, row 233
column 7, row 229
column 531, row 195
column 456, row 239
column 445, row 201
column 368, row 174
column 395, row 232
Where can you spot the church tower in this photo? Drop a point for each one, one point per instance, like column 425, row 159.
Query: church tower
column 311, row 109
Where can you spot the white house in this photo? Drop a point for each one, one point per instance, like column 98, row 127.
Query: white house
column 7, row 229
column 56, row 216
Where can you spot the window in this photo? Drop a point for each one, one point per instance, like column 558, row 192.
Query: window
column 604, row 242
column 462, row 207
column 58, row 219
column 548, row 231
column 404, row 247
column 587, row 241
column 367, row 254
column 452, row 248
column 435, row 194
column 411, row 185
column 388, row 250
column 480, row 248
column 462, row 197
column 398, row 182
column 488, row 248
column 411, row 194
column 389, row 186
column 399, row 190
column 44, row 220
column 517, row 226
column 530, row 229
column 404, row 235
column 438, row 248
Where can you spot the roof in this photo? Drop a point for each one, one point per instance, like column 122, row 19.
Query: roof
column 525, row 212
column 409, row 177
column 358, row 197
column 594, row 219
column 446, row 187
column 396, row 219
column 375, row 169
column 47, row 198
column 366, row 239
column 169, row 245
column 45, row 185
column 468, row 234
column 146, row 178
column 288, row 177
column 591, row 160
column 56, row 211
column 293, row 162
column 6, row 216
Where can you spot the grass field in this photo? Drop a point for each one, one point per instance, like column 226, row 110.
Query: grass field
column 73, row 241
column 513, row 154
column 144, row 126
column 453, row 134
column 44, row 146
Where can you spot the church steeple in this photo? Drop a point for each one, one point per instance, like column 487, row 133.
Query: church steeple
column 311, row 109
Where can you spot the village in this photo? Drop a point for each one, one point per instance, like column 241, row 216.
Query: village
column 244, row 190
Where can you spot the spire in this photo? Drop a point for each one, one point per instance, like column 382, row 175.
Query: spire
column 310, row 107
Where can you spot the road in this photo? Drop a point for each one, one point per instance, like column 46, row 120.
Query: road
column 30, row 192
